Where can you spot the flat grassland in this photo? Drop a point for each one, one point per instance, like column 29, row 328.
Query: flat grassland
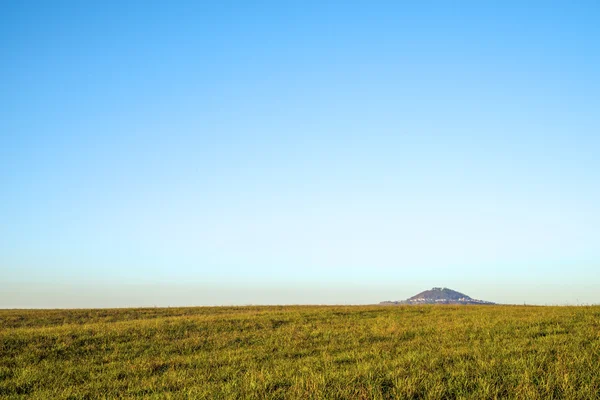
column 302, row 352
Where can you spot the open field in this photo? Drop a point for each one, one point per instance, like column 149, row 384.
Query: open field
column 362, row 352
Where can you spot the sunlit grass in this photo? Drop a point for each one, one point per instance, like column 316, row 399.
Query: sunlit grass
column 361, row 352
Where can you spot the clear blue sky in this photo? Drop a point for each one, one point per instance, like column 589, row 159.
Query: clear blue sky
column 179, row 152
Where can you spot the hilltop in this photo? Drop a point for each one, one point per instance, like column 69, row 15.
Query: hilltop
column 438, row 295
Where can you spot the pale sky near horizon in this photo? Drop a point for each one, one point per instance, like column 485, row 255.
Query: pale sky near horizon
column 176, row 153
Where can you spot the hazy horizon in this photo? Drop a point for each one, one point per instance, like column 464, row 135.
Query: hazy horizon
column 298, row 153
column 60, row 296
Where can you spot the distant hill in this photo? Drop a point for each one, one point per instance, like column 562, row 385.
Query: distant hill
column 438, row 295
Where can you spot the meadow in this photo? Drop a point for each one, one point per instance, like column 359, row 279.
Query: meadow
column 302, row 352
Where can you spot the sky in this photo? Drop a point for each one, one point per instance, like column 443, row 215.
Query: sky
column 315, row 152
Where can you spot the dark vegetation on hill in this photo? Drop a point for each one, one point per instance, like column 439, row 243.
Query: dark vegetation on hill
column 439, row 295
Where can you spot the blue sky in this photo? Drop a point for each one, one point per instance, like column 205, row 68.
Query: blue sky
column 298, row 152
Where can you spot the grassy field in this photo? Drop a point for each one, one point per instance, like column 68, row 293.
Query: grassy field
column 360, row 352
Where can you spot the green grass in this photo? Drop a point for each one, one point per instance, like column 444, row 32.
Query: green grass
column 370, row 352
